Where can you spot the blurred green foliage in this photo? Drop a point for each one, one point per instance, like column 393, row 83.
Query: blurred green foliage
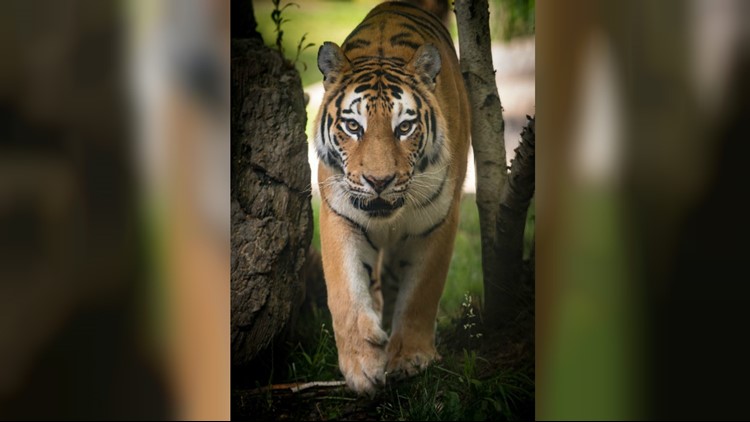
column 514, row 18
column 316, row 20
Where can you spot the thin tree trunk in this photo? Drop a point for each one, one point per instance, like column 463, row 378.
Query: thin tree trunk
column 487, row 133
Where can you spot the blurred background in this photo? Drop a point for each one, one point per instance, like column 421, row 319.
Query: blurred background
column 114, row 208
column 114, row 211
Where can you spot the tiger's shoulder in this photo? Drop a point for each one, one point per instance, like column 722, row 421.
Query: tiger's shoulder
column 395, row 30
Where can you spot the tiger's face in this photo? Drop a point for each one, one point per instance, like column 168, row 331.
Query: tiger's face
column 379, row 129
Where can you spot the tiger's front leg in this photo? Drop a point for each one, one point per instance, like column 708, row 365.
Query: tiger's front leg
column 348, row 261
column 422, row 268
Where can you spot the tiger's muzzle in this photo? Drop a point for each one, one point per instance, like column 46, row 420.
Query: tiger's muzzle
column 377, row 207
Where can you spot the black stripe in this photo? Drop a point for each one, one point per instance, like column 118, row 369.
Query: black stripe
column 372, row 245
column 353, row 224
column 362, row 88
column 433, row 228
column 437, row 141
column 406, row 43
column 433, row 129
column 436, row 32
column 390, row 78
column 411, row 27
column 423, row 164
column 365, row 77
column 397, row 90
column 334, row 162
column 368, row 268
column 435, row 19
column 363, row 60
column 435, row 195
column 402, row 39
column 356, row 30
column 351, row 45
column 428, row 130
column 339, row 99
column 439, row 223
column 333, row 139
column 399, row 36
column 323, row 126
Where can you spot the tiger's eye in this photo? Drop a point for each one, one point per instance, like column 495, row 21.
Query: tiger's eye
column 404, row 127
column 352, row 126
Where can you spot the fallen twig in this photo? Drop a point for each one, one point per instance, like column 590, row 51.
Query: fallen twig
column 297, row 387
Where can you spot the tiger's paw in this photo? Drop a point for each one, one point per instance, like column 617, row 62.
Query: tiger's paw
column 406, row 362
column 362, row 354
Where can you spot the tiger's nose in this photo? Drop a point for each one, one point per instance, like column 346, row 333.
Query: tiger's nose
column 379, row 183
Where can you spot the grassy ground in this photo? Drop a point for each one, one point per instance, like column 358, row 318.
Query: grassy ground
column 475, row 380
column 482, row 376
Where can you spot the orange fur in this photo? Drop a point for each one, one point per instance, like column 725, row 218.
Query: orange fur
column 392, row 136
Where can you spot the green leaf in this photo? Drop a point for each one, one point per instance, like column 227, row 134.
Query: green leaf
column 495, row 404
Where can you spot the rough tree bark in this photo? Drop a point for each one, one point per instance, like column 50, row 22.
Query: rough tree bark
column 487, row 132
column 510, row 226
column 271, row 212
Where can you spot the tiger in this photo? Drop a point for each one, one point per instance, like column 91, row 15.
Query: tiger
column 392, row 137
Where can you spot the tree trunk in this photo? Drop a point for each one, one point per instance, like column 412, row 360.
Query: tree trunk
column 487, row 134
column 511, row 224
column 271, row 213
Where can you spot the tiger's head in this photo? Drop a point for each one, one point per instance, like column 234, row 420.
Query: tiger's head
column 380, row 129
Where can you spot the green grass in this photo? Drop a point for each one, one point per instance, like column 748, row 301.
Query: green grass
column 455, row 390
column 313, row 357
column 463, row 386
column 465, row 273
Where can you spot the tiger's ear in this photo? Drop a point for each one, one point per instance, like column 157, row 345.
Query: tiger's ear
column 331, row 62
column 426, row 64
